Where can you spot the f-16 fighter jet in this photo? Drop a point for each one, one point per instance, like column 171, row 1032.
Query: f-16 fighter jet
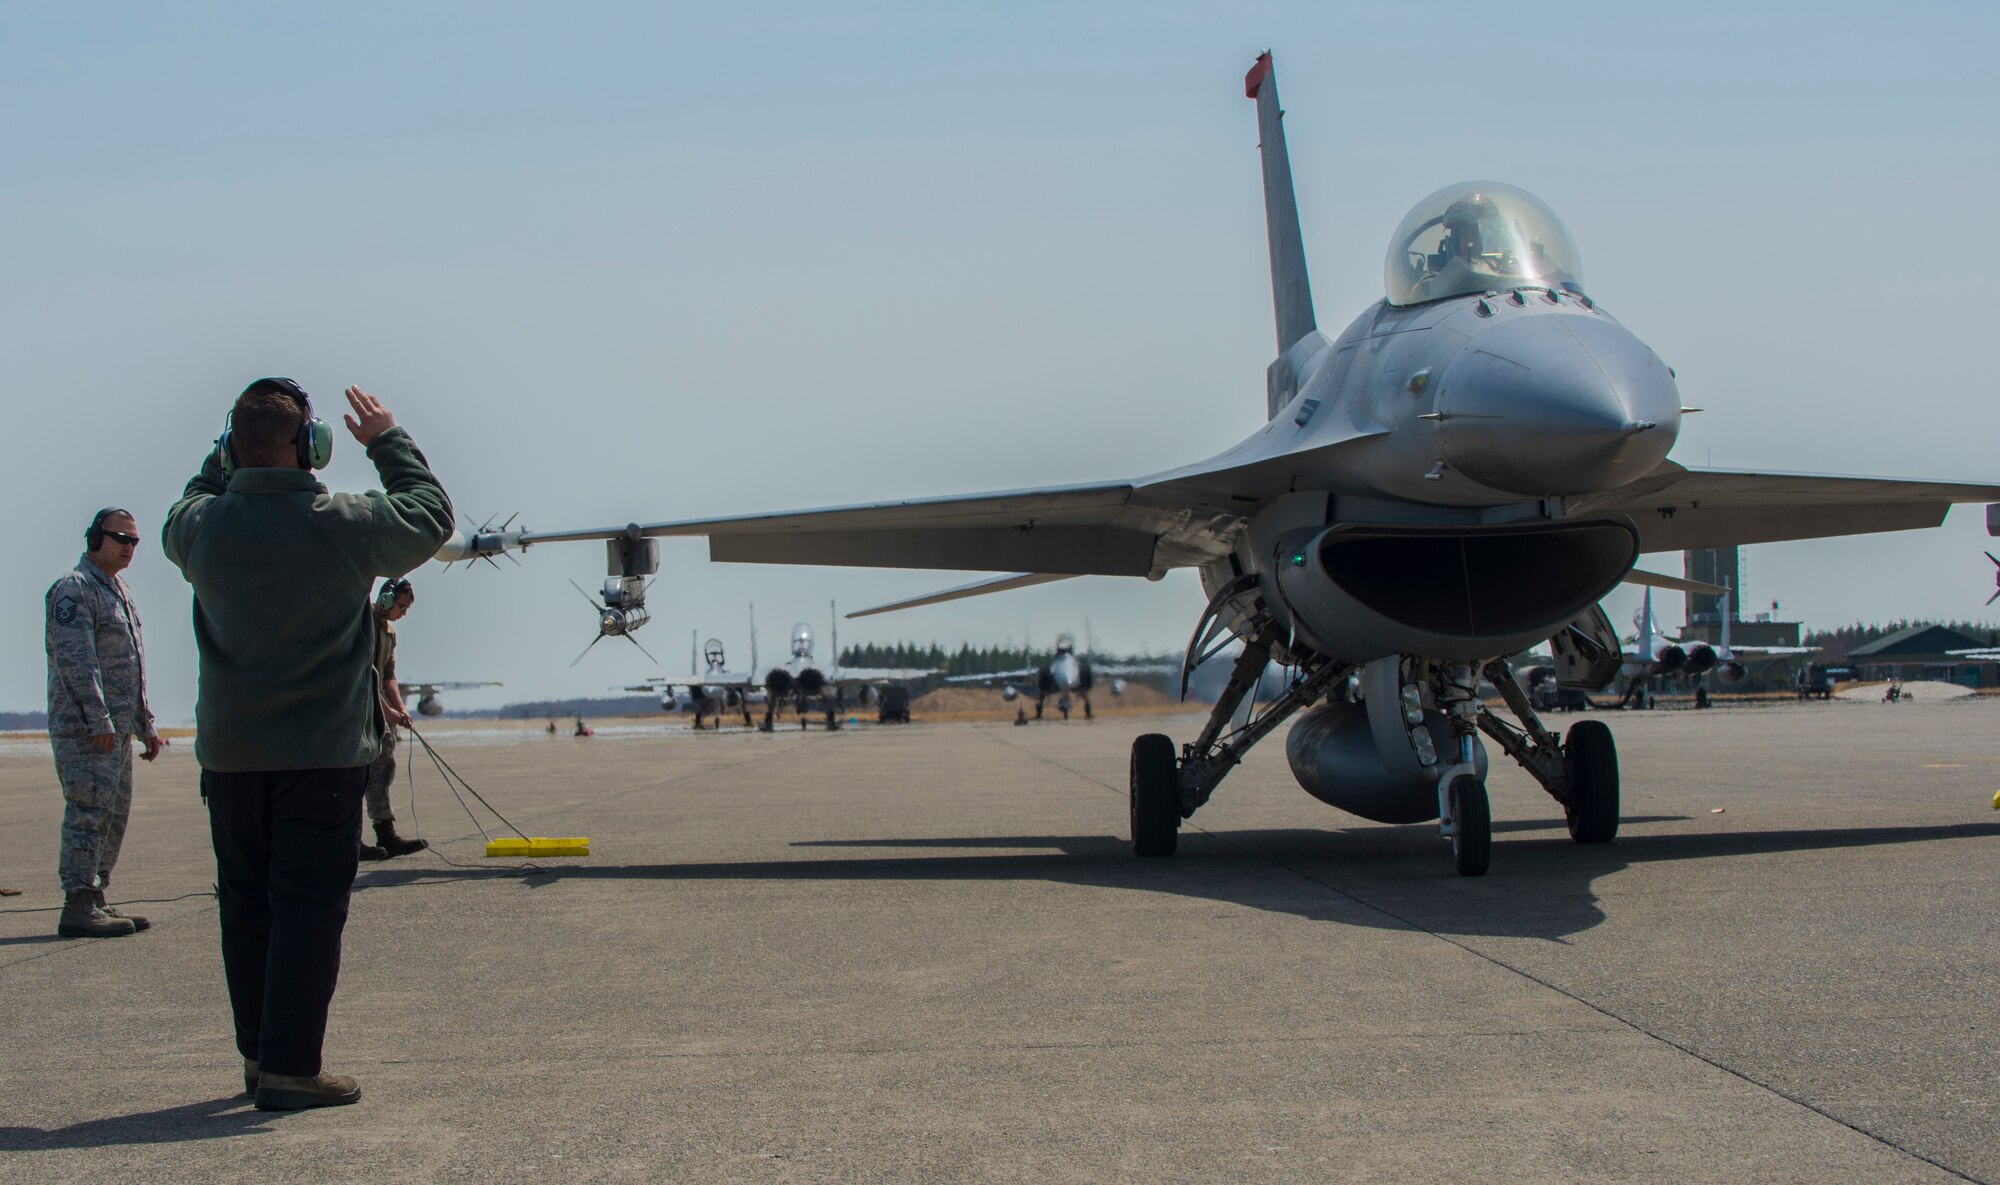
column 1464, row 471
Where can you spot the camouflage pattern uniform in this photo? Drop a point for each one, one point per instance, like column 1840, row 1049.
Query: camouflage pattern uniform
column 382, row 771
column 97, row 686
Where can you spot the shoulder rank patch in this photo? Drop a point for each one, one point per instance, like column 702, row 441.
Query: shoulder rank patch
column 65, row 610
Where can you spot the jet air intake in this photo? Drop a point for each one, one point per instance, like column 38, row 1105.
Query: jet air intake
column 1357, row 593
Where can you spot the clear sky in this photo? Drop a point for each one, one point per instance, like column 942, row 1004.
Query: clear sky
column 658, row 261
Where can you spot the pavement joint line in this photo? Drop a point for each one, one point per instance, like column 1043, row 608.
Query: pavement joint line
column 600, row 1057
column 1523, row 973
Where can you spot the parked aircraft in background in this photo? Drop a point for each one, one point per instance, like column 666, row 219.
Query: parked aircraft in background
column 1465, row 471
column 1067, row 674
column 709, row 690
column 1658, row 654
column 799, row 679
column 428, row 703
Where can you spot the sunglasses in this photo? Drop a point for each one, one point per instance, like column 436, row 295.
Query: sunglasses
column 122, row 537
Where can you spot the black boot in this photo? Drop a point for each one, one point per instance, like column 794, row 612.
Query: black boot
column 393, row 844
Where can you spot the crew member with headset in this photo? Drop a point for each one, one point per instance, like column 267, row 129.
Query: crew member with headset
column 97, row 706
column 391, row 603
column 288, row 716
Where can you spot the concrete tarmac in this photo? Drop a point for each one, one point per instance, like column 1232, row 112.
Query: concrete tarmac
column 925, row 954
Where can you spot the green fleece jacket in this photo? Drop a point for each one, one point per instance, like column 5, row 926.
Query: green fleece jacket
column 281, row 571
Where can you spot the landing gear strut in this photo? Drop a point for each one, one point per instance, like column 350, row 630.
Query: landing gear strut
column 1223, row 741
column 1581, row 773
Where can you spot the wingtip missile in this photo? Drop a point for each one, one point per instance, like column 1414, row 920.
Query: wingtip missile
column 483, row 542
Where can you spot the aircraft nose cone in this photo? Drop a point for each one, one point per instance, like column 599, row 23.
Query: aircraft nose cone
column 1556, row 404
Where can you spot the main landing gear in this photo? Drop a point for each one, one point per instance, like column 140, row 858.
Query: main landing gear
column 1435, row 701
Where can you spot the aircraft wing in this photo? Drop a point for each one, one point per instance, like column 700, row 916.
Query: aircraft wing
column 710, row 679
column 1114, row 529
column 1681, row 509
column 1186, row 518
column 977, row 588
column 1126, row 670
column 997, row 677
column 879, row 674
column 409, row 687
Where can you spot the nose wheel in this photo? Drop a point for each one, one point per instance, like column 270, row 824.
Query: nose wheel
column 1471, row 825
column 1155, row 796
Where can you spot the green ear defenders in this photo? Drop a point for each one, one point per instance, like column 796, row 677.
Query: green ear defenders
column 385, row 597
column 93, row 535
column 315, row 439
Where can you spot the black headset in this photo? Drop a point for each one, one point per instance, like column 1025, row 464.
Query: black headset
column 314, row 443
column 93, row 535
column 385, row 598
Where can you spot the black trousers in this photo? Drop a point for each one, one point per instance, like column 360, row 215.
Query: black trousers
column 284, row 863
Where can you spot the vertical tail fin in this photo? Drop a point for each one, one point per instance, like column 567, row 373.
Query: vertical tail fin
column 1727, row 613
column 1290, row 290
column 1646, row 628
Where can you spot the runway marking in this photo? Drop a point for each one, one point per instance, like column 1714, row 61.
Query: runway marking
column 1504, row 965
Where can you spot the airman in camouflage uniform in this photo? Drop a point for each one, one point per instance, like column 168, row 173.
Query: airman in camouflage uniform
column 391, row 603
column 97, row 706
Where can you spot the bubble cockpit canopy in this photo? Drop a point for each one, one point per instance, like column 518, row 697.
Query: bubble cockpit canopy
column 1479, row 236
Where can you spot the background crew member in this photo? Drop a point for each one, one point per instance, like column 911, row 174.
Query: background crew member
column 288, row 715
column 391, row 603
column 97, row 704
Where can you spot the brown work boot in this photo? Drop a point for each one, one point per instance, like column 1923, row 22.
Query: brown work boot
column 250, row 1076
column 138, row 923
column 82, row 919
column 288, row 1092
column 393, row 844
column 369, row 852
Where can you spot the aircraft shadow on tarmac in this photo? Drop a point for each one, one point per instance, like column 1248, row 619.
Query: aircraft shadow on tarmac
column 212, row 1119
column 1377, row 877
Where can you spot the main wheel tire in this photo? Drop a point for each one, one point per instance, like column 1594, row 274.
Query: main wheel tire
column 1472, row 826
column 1155, row 796
column 1593, row 795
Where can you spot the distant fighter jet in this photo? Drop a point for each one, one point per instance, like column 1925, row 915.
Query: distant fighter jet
column 799, row 679
column 708, row 691
column 1657, row 655
column 427, row 693
column 1067, row 674
column 1463, row 472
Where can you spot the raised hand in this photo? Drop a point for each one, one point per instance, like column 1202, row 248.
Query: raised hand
column 369, row 418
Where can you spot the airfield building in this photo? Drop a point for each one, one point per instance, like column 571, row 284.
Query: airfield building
column 1922, row 652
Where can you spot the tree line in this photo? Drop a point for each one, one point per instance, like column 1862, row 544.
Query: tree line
column 1838, row 641
column 966, row 660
